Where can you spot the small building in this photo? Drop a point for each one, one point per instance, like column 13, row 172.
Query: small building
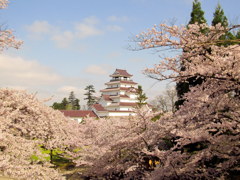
column 119, row 98
column 78, row 115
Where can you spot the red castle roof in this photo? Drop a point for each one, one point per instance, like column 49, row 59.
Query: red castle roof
column 98, row 107
column 78, row 113
column 121, row 72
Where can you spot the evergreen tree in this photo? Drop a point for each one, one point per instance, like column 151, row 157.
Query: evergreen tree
column 64, row 103
column 76, row 104
column 219, row 17
column 57, row 106
column 60, row 106
column 90, row 98
column 73, row 102
column 71, row 98
column 197, row 14
column 141, row 96
column 238, row 35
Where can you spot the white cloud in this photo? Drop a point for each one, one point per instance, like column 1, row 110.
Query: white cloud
column 98, row 69
column 91, row 20
column 86, row 30
column 40, row 28
column 67, row 89
column 63, row 40
column 16, row 71
column 114, row 28
column 118, row 18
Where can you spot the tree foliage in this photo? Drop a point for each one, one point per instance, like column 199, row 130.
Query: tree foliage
column 197, row 14
column 219, row 17
column 7, row 39
column 205, row 130
column 199, row 141
column 166, row 101
column 182, row 87
column 71, row 104
column 26, row 124
column 141, row 96
column 89, row 95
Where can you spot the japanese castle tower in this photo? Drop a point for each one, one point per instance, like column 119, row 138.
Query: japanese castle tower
column 119, row 97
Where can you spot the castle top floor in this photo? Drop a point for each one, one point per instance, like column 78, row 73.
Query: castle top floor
column 121, row 75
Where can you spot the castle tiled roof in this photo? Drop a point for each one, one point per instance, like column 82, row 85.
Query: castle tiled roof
column 78, row 113
column 106, row 97
column 127, row 104
column 121, row 72
column 121, row 111
column 98, row 107
column 123, row 104
column 117, row 82
column 129, row 89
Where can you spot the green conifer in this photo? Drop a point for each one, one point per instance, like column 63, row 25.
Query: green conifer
column 197, row 14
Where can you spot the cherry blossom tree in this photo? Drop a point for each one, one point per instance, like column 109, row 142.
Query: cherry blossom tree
column 26, row 124
column 204, row 133
column 112, row 146
column 7, row 39
column 200, row 140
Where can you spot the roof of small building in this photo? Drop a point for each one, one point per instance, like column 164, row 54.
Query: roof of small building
column 121, row 72
column 98, row 107
column 124, row 96
column 106, row 97
column 120, row 82
column 127, row 104
column 128, row 89
column 128, row 82
column 131, row 104
column 78, row 113
column 114, row 111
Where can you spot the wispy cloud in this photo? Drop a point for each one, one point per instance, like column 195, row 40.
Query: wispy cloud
column 64, row 39
column 87, row 28
column 114, row 28
column 23, row 73
column 118, row 18
column 67, row 89
column 98, row 69
column 38, row 29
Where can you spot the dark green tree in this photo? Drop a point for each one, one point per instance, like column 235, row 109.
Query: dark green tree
column 238, row 35
column 76, row 104
column 57, row 106
column 71, row 98
column 90, row 98
column 220, row 18
column 73, row 102
column 64, row 103
column 60, row 106
column 141, row 96
column 197, row 14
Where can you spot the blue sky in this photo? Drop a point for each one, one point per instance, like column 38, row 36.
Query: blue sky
column 69, row 44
